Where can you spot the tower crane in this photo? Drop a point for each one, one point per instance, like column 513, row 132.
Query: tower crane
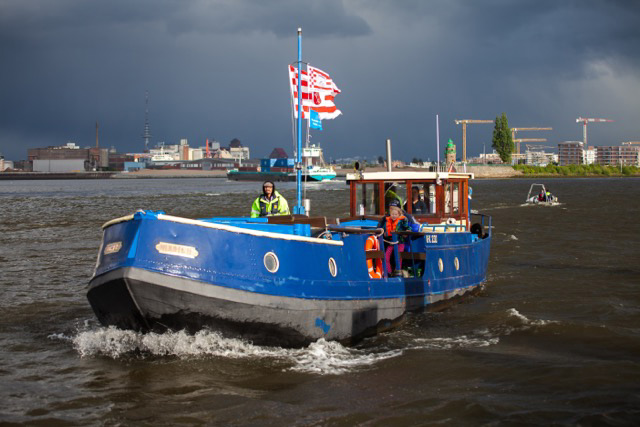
column 464, row 123
column 584, row 122
column 534, row 147
column 516, row 130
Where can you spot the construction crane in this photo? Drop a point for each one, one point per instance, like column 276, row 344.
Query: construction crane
column 534, row 147
column 464, row 123
column 516, row 130
column 584, row 122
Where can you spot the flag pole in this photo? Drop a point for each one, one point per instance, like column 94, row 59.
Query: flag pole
column 438, row 142
column 298, row 208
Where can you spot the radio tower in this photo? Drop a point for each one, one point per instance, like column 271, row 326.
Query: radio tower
column 146, row 135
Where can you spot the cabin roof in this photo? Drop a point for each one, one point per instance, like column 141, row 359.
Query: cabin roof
column 406, row 175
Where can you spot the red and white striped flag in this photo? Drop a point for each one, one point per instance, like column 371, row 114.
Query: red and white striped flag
column 318, row 92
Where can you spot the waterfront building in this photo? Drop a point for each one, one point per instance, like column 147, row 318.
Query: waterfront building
column 278, row 153
column 590, row 155
column 571, row 153
column 540, row 158
column 237, row 150
column 68, row 158
column 490, row 158
column 5, row 164
column 620, row 155
column 117, row 161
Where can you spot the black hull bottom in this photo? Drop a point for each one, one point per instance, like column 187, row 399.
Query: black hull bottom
column 133, row 304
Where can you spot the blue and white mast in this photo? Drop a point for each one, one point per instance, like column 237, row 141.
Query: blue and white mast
column 298, row 208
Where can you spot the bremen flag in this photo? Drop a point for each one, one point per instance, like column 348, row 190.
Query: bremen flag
column 318, row 92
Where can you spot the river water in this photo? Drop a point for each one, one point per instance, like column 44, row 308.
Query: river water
column 554, row 339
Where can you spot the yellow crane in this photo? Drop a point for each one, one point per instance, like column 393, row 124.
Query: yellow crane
column 464, row 123
column 516, row 130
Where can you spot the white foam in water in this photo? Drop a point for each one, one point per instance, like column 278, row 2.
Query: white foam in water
column 526, row 321
column 330, row 357
column 321, row 357
column 512, row 237
column 462, row 341
column 483, row 337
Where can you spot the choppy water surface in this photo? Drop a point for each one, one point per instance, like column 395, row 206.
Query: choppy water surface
column 554, row 338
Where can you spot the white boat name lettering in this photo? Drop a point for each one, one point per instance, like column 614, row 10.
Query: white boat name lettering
column 431, row 238
column 177, row 250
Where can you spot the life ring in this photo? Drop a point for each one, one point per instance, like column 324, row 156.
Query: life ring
column 372, row 244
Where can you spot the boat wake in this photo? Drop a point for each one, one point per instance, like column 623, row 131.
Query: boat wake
column 321, row 357
column 541, row 204
column 514, row 322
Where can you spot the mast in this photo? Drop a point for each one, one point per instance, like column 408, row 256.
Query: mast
column 298, row 208
column 437, row 144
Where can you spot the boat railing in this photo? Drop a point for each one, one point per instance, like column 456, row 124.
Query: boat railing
column 443, row 228
column 356, row 230
column 484, row 221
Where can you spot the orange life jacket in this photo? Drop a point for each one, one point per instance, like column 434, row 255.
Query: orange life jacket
column 391, row 224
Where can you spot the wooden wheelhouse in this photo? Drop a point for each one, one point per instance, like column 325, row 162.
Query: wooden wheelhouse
column 445, row 195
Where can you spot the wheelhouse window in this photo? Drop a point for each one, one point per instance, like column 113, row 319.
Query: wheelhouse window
column 394, row 190
column 422, row 200
column 367, row 196
column 452, row 198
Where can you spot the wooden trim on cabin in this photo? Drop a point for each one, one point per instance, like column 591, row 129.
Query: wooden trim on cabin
column 314, row 221
column 431, row 218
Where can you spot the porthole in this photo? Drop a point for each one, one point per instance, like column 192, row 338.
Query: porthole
column 271, row 262
column 333, row 267
column 456, row 263
column 440, row 265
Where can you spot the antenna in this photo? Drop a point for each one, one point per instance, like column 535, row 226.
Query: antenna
column 146, row 135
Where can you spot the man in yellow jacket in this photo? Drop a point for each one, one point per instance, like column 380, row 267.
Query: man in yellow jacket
column 270, row 202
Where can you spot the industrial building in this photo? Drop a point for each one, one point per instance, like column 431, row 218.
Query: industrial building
column 68, row 158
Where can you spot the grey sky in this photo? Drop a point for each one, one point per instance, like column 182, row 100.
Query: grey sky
column 217, row 69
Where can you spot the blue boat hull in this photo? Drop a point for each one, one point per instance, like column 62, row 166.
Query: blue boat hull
column 214, row 275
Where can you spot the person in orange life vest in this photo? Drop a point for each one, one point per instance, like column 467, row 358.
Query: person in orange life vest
column 394, row 221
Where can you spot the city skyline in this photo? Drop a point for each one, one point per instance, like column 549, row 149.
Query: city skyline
column 218, row 70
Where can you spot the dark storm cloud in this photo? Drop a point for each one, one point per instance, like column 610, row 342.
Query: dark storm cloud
column 216, row 69
column 319, row 19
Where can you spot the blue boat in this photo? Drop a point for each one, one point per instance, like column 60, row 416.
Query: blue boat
column 291, row 280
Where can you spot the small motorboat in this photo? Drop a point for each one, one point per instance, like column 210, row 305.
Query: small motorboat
column 538, row 195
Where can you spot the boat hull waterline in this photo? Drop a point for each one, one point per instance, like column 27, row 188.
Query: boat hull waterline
column 147, row 279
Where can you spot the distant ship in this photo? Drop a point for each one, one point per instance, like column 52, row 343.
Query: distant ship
column 314, row 169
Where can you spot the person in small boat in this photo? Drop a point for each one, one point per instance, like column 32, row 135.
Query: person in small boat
column 542, row 197
column 269, row 203
column 418, row 206
column 549, row 196
column 395, row 220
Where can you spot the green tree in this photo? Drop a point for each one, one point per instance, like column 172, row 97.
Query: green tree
column 502, row 141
